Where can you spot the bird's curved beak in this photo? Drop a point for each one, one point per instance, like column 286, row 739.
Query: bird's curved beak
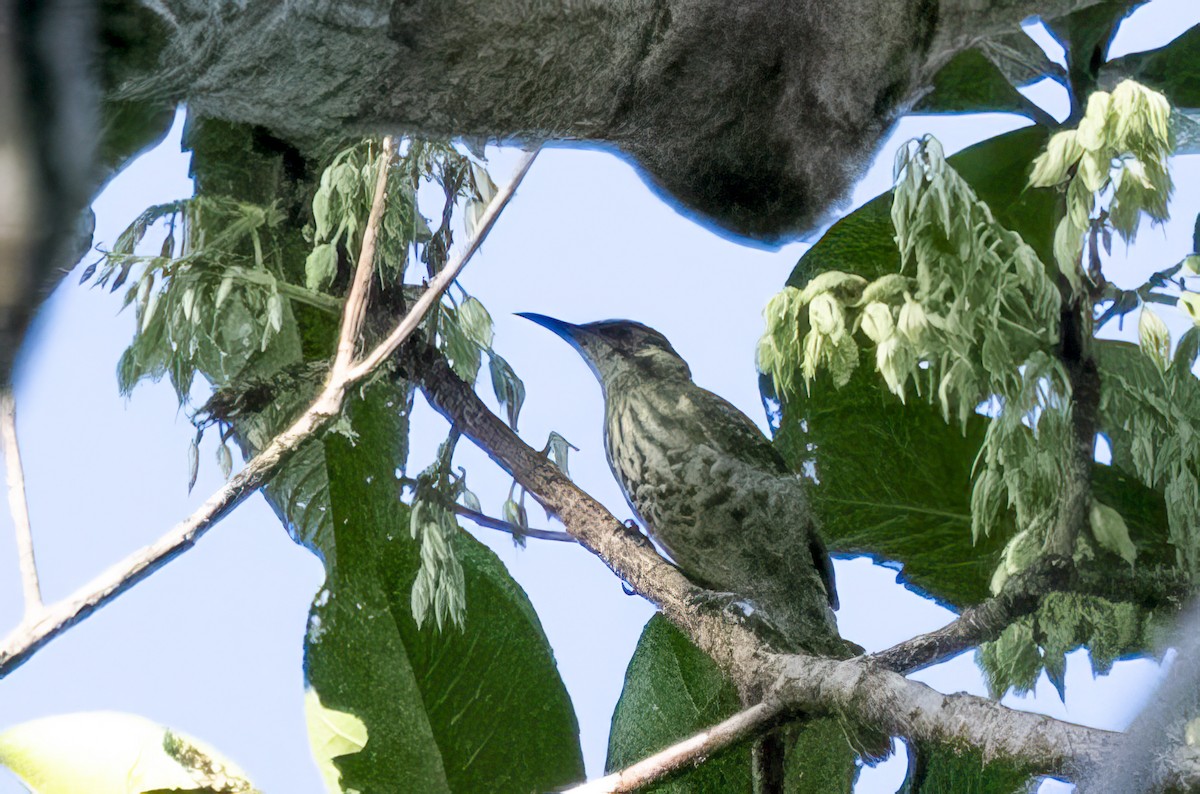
column 586, row 342
column 567, row 331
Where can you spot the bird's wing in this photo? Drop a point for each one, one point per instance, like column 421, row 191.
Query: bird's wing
column 742, row 439
column 731, row 431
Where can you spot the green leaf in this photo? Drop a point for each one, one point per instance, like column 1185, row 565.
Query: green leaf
column 971, row 83
column 321, row 266
column 894, row 480
column 476, row 322
column 458, row 344
column 509, row 389
column 113, row 753
column 945, row 769
column 1110, row 531
column 1173, row 69
column 673, row 690
column 481, row 709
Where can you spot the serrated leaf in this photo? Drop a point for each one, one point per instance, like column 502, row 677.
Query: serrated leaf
column 320, row 268
column 321, row 214
column 508, row 388
column 469, row 500
column 113, row 753
column 558, row 448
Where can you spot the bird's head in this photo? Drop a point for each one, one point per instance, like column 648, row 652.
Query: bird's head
column 618, row 348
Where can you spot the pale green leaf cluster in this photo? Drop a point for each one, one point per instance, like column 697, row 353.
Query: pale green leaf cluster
column 1064, row 622
column 970, row 318
column 1113, row 168
column 1152, row 416
column 440, row 586
column 211, row 300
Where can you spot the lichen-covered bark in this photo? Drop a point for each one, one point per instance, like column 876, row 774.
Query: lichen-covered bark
column 755, row 115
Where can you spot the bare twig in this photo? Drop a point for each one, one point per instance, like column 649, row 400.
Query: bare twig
column 355, row 310
column 485, row 520
column 18, row 506
column 56, row 618
column 442, row 280
column 692, row 751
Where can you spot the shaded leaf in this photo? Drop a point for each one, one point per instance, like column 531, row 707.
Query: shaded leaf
column 673, row 690
column 481, row 709
column 1173, row 69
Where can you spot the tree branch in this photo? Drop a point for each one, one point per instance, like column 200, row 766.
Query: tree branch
column 692, row 751
column 56, row 618
column 1163, row 589
column 855, row 689
column 18, row 506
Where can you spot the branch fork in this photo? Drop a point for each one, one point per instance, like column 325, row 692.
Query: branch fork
column 44, row 623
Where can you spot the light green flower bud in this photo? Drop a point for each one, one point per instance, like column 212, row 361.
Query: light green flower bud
column 913, row 321
column 1190, row 303
column 826, row 316
column 1154, row 338
column 894, row 360
column 877, row 322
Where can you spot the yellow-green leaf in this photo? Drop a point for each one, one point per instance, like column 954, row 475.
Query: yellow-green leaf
column 331, row 733
column 112, row 753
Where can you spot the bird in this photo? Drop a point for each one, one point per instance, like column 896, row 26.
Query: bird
column 709, row 487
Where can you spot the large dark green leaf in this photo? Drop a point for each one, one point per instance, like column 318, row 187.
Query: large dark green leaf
column 949, row 770
column 1086, row 34
column 970, row 83
column 673, row 690
column 1173, row 69
column 895, row 479
column 477, row 709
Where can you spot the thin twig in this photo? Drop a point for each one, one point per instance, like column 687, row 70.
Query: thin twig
column 484, row 520
column 56, row 618
column 355, row 310
column 19, row 507
column 442, row 280
column 692, row 751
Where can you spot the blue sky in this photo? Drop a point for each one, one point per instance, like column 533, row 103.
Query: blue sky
column 212, row 644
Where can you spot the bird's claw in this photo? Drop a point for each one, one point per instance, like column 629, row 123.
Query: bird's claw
column 733, row 605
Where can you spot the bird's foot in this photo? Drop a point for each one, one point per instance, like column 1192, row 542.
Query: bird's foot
column 733, row 605
column 634, row 531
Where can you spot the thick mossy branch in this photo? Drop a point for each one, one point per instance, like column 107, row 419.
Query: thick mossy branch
column 857, row 689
